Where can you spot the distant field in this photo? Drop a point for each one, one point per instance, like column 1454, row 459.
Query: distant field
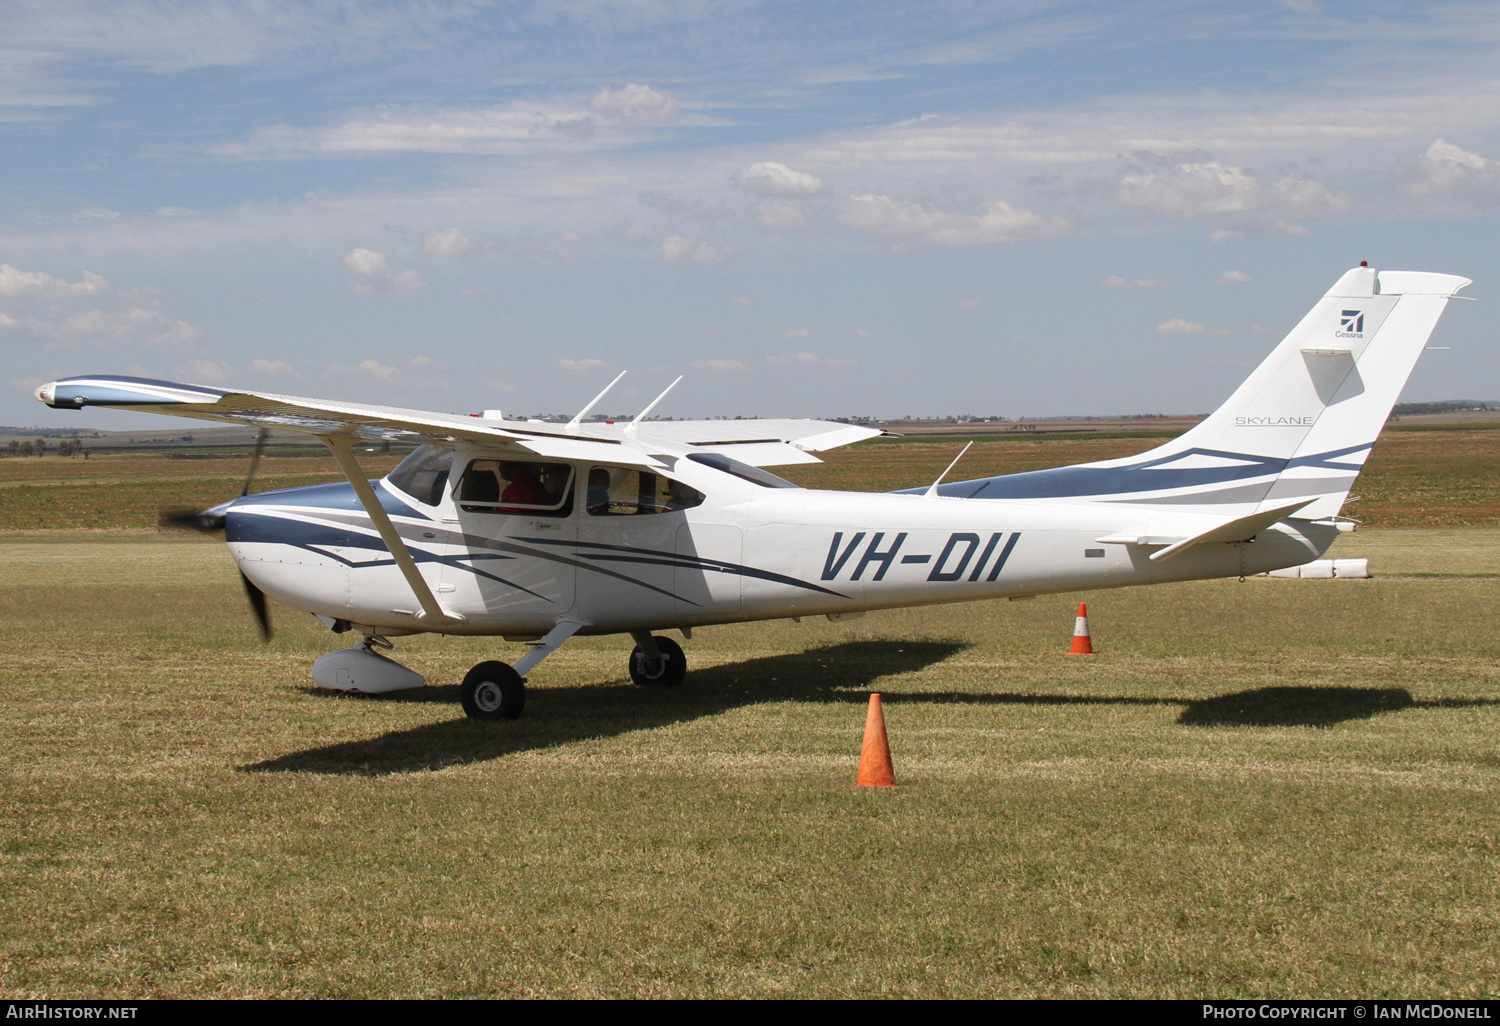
column 1427, row 477
column 1275, row 788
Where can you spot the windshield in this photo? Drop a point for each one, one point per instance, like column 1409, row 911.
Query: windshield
column 744, row 471
column 424, row 474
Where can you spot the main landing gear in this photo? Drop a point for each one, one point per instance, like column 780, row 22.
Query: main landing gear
column 496, row 691
column 656, row 661
column 493, row 691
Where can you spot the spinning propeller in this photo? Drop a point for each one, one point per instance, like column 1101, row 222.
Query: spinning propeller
column 211, row 521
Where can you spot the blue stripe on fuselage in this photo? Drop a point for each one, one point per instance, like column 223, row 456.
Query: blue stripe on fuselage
column 1150, row 476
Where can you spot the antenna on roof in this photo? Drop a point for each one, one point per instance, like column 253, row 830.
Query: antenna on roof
column 642, row 415
column 932, row 491
column 585, row 411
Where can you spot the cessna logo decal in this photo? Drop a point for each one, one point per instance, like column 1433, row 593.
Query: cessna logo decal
column 1351, row 324
column 957, row 556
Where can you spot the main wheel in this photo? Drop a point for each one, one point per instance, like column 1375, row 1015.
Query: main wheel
column 493, row 691
column 667, row 673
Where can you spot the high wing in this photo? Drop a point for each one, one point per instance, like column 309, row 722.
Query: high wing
column 758, row 442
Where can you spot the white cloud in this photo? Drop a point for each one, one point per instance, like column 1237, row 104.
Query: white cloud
column 1189, row 189
column 634, row 105
column 130, row 326
column 207, row 372
column 40, row 285
column 676, row 248
column 580, row 366
column 779, row 216
column 274, row 369
column 1178, row 326
column 1452, row 171
column 697, row 209
column 615, row 117
column 175, row 212
column 448, row 243
column 769, row 178
column 1235, row 195
column 912, row 223
column 377, row 278
column 806, row 360
column 1231, row 278
column 379, row 371
column 718, row 366
column 741, row 301
column 1115, row 281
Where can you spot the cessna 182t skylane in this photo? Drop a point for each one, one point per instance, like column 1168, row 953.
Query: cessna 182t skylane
column 538, row 531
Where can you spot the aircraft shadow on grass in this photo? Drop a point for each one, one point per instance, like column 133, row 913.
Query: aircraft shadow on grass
column 837, row 673
column 555, row 716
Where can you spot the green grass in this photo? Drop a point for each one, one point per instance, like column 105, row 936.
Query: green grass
column 1275, row 788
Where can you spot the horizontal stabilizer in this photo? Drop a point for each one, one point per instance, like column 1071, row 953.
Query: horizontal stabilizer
column 1236, row 529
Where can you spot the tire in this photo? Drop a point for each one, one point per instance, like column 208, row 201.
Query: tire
column 669, row 674
column 493, row 691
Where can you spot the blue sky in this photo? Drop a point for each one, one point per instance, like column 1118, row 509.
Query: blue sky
column 810, row 209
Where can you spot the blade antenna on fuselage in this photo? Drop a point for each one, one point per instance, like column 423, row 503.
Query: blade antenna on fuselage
column 932, row 491
column 634, row 425
column 585, row 411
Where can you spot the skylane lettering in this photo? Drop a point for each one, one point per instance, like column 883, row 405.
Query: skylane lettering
column 1274, row 421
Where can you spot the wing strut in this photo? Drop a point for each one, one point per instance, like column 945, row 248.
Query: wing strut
column 342, row 448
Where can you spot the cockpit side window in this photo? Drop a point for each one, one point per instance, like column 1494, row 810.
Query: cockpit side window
column 617, row 491
column 424, row 474
column 517, row 486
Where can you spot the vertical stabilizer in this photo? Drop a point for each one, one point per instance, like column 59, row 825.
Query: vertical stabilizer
column 1319, row 400
column 1301, row 425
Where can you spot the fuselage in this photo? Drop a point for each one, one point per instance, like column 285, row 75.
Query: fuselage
column 741, row 547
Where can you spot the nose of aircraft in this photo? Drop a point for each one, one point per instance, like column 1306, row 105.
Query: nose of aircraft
column 45, row 393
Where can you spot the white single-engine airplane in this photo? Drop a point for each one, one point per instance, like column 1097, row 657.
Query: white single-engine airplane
column 538, row 531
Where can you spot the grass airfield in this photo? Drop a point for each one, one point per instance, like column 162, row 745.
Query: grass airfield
column 1268, row 788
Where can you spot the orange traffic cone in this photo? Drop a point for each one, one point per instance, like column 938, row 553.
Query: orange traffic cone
column 875, row 755
column 1082, row 643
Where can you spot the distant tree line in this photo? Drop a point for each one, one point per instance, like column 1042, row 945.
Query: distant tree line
column 67, row 447
column 1452, row 406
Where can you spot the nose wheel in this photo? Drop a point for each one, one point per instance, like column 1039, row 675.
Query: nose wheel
column 657, row 662
column 493, row 691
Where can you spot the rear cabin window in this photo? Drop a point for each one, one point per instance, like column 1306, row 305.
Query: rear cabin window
column 517, row 486
column 616, row 492
column 424, row 474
